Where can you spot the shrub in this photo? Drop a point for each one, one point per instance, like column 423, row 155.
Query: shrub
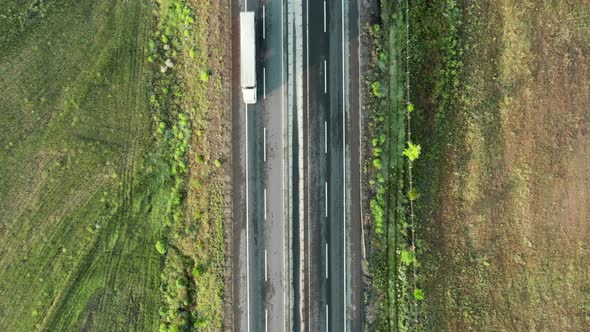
column 374, row 141
column 161, row 247
column 382, row 62
column 181, row 283
column 377, row 163
column 407, row 257
column 412, row 151
column 377, row 152
column 413, row 194
column 418, row 294
column 378, row 215
column 163, row 311
column 205, row 76
column 377, row 89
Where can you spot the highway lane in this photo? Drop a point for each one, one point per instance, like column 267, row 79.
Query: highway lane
column 274, row 164
column 335, row 170
column 332, row 129
column 261, row 197
column 317, row 147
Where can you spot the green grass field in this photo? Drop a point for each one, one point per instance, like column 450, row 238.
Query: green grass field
column 112, row 210
column 80, row 204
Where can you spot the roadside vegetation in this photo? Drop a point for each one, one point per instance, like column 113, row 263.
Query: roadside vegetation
column 187, row 61
column 499, row 104
column 393, row 295
column 112, row 155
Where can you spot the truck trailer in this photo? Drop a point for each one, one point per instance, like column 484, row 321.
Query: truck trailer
column 248, row 57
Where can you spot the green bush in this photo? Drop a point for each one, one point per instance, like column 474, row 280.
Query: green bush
column 413, row 194
column 378, row 215
column 377, row 163
column 377, row 152
column 407, row 257
column 205, row 76
column 418, row 294
column 161, row 247
column 378, row 90
column 412, row 151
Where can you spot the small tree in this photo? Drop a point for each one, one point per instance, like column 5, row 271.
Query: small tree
column 412, row 151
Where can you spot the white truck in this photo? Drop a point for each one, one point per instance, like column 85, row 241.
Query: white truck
column 248, row 57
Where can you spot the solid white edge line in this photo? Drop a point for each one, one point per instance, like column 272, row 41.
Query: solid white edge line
column 264, row 143
column 264, row 203
column 344, row 163
column 263, row 23
column 308, row 153
column 285, row 258
column 247, row 232
column 264, row 82
column 265, row 266
column 324, row 15
column 265, row 319
column 325, row 76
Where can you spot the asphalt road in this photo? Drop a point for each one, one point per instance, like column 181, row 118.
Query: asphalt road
column 332, row 166
column 261, row 184
column 323, row 162
column 269, row 292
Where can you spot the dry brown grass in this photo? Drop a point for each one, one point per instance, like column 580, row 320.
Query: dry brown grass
column 512, row 223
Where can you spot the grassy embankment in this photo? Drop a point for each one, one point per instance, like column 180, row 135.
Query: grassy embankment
column 187, row 54
column 502, row 99
column 86, row 192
